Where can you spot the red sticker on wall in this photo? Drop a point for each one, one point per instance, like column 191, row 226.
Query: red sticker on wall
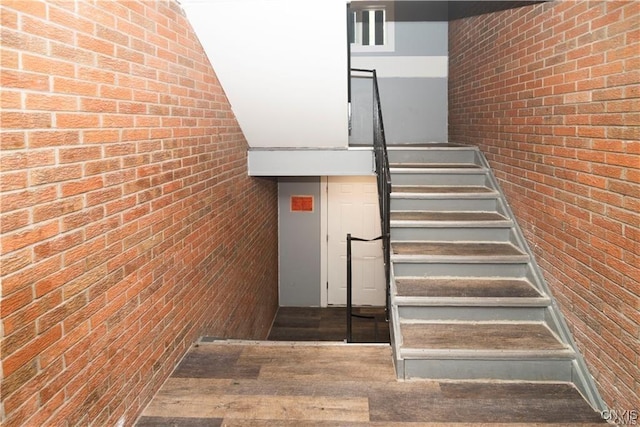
column 301, row 203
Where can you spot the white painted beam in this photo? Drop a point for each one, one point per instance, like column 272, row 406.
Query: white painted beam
column 310, row 162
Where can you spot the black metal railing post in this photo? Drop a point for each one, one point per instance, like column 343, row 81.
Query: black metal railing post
column 349, row 291
column 383, row 176
column 350, row 314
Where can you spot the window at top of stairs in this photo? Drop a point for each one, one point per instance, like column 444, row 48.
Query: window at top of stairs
column 371, row 27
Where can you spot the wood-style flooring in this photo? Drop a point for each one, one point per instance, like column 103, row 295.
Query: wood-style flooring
column 236, row 383
column 455, row 249
column 329, row 324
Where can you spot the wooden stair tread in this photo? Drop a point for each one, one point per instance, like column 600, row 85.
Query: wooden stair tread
column 440, row 189
column 465, row 288
column 479, row 336
column 445, row 216
column 455, row 249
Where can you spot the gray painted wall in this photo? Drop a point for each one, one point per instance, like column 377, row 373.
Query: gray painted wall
column 414, row 107
column 299, row 240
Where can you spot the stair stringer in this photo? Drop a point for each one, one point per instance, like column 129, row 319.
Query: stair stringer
column 582, row 378
column 553, row 317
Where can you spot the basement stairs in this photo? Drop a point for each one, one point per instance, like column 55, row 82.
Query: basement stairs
column 468, row 301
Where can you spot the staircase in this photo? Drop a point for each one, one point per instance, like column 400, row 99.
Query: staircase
column 467, row 298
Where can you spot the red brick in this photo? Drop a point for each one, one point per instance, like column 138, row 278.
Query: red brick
column 13, row 302
column 55, row 209
column 29, row 7
column 50, row 102
column 24, row 80
column 112, row 132
column 79, row 154
column 13, row 181
column 100, row 136
column 12, row 140
column 55, row 174
column 48, row 66
column 100, row 45
column 53, row 282
column 23, row 160
column 59, row 244
column 28, row 275
column 40, row 139
column 30, row 351
column 44, row 29
column 80, row 120
column 20, row 239
column 57, row 315
column 75, row 187
column 11, row 100
column 15, row 262
column 117, row 121
column 588, row 173
column 19, row 120
column 71, row 53
column 70, row 20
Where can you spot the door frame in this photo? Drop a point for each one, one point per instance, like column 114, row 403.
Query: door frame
column 324, row 240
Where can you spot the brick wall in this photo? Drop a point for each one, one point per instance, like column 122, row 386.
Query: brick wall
column 129, row 224
column 551, row 94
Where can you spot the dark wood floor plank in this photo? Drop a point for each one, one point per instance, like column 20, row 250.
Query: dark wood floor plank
column 519, row 390
column 178, row 422
column 199, row 363
column 329, row 324
column 407, row 407
column 317, row 362
column 301, row 423
column 332, row 387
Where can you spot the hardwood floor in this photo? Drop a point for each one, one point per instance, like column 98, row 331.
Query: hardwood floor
column 329, row 324
column 455, row 249
column 235, row 383
column 466, row 287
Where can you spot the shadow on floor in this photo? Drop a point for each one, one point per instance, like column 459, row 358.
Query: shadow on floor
column 329, row 324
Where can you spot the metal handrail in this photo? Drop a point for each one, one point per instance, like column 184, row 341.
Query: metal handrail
column 384, row 181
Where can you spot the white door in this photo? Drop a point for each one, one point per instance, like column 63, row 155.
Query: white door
column 352, row 207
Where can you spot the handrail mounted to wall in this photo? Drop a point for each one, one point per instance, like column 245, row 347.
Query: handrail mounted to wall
column 384, row 180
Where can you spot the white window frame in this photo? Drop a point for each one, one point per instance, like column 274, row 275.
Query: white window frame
column 389, row 26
